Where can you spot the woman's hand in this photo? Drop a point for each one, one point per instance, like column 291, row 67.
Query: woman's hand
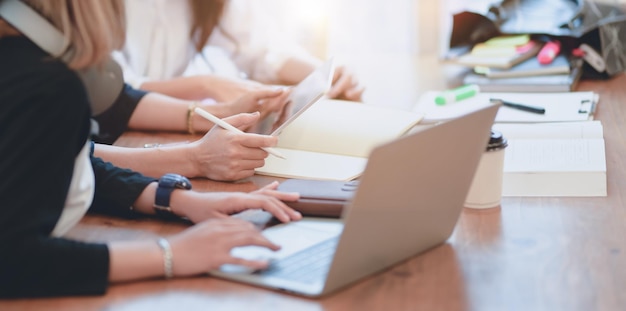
column 200, row 206
column 226, row 156
column 207, row 245
column 345, row 85
column 266, row 100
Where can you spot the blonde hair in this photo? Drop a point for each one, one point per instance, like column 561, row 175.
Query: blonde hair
column 93, row 28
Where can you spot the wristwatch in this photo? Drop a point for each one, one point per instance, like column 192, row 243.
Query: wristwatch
column 167, row 184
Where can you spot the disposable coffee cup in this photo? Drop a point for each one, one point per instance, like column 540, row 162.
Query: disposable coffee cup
column 486, row 188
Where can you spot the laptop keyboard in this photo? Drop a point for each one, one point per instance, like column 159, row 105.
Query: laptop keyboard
column 306, row 266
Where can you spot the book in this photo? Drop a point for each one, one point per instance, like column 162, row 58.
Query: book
column 503, row 59
column 536, row 83
column 545, row 83
column 559, row 106
column 332, row 139
column 530, row 67
column 554, row 159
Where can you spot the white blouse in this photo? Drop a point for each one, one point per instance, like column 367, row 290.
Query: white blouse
column 158, row 45
column 80, row 194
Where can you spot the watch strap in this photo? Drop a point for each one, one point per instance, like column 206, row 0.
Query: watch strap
column 167, row 184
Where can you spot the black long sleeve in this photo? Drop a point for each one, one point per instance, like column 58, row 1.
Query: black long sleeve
column 44, row 123
column 114, row 121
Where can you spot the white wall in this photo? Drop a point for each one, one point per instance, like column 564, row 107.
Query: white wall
column 329, row 27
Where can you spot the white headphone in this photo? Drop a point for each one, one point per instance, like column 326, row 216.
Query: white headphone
column 103, row 85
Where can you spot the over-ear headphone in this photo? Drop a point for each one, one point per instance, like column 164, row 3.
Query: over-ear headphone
column 103, row 85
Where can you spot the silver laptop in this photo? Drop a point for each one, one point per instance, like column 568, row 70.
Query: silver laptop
column 408, row 201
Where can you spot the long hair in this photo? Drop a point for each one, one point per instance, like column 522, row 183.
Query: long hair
column 206, row 18
column 93, row 28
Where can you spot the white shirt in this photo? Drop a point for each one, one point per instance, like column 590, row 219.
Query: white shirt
column 80, row 194
column 158, row 44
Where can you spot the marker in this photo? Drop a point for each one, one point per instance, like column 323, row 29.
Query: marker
column 225, row 125
column 548, row 52
column 533, row 109
column 460, row 93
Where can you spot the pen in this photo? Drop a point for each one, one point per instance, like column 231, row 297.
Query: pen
column 533, row 109
column 225, row 125
column 457, row 94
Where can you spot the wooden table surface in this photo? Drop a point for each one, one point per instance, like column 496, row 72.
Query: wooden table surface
column 530, row 254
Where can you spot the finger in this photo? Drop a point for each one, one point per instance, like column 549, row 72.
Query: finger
column 271, row 186
column 253, row 264
column 354, row 94
column 252, row 140
column 339, row 72
column 271, row 190
column 342, row 84
column 279, row 209
column 281, row 195
column 272, row 105
column 243, row 120
column 249, row 237
column 229, row 226
column 284, row 209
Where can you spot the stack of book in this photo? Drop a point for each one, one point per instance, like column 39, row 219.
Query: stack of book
column 511, row 64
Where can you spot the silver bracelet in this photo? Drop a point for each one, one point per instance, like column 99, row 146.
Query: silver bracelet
column 168, row 257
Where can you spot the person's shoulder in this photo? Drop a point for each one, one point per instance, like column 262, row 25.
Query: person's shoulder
column 32, row 78
column 30, row 66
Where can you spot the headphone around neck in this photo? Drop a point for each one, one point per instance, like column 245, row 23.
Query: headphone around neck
column 103, row 85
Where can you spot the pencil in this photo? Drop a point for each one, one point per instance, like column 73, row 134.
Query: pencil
column 225, row 125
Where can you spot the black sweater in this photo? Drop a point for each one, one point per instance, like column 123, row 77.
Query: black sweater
column 44, row 123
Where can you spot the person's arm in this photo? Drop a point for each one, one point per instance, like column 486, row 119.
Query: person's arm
column 200, row 87
column 197, row 250
column 114, row 121
column 160, row 112
column 218, row 155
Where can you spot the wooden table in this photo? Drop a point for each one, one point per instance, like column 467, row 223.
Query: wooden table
column 530, row 254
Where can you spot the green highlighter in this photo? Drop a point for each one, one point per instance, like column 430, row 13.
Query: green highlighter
column 457, row 94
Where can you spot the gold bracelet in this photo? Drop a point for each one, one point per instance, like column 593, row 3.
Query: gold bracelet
column 190, row 113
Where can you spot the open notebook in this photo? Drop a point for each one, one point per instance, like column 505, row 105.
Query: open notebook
column 332, row 139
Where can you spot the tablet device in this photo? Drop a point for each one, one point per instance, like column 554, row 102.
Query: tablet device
column 302, row 96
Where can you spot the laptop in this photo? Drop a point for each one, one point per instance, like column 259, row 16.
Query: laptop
column 408, row 201
column 301, row 97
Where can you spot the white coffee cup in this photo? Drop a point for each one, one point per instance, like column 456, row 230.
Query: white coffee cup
column 486, row 188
